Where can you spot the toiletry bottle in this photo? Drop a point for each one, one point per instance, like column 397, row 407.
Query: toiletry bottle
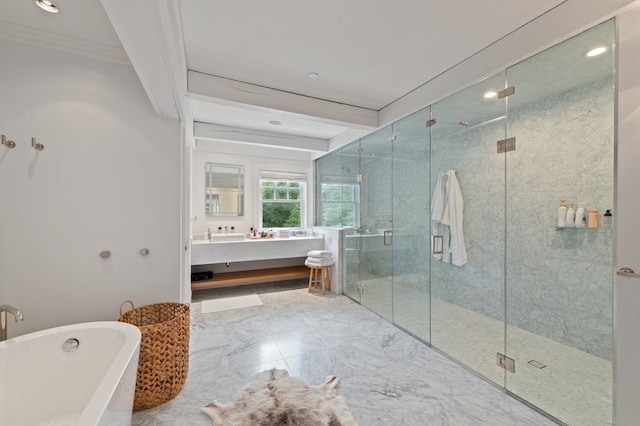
column 562, row 214
column 592, row 219
column 570, row 220
column 607, row 219
column 581, row 219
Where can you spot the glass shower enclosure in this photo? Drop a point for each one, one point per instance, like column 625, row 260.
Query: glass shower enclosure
column 531, row 308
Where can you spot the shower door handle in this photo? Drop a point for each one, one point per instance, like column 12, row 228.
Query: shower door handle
column 627, row 272
column 437, row 244
column 389, row 235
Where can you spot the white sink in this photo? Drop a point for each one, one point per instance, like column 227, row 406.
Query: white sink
column 226, row 237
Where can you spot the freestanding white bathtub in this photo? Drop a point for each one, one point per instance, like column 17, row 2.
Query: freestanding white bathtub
column 45, row 381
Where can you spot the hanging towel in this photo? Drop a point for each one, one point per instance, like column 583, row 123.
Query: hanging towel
column 447, row 208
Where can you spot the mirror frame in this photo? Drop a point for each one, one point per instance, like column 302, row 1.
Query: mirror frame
column 224, row 188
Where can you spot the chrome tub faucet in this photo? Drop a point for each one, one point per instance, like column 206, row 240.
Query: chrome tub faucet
column 17, row 314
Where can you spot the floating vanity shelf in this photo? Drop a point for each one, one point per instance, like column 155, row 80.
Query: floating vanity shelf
column 253, row 276
column 249, row 250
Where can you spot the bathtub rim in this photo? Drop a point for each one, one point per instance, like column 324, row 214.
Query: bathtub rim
column 105, row 390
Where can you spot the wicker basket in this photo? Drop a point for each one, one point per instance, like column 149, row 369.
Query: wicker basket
column 164, row 351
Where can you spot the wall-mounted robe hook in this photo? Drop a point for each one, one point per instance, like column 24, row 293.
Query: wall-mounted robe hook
column 105, row 254
column 37, row 146
column 8, row 144
column 144, row 252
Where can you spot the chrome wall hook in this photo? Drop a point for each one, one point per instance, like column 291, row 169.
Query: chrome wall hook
column 37, row 146
column 8, row 144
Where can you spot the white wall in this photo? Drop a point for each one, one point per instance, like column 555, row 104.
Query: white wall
column 253, row 161
column 109, row 178
column 626, row 214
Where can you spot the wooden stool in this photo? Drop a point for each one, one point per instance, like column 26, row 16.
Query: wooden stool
column 320, row 275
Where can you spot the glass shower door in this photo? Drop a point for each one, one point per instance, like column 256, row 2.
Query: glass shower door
column 411, row 183
column 350, row 218
column 375, row 236
column 467, row 299
column 559, row 280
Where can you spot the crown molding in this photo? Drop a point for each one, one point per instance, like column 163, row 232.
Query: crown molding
column 48, row 40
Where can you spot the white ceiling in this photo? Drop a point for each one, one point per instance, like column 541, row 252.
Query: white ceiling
column 80, row 20
column 368, row 53
column 249, row 60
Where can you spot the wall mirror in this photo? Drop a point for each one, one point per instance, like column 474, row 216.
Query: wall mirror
column 224, row 190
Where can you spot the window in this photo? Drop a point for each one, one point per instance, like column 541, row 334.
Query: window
column 339, row 203
column 282, row 200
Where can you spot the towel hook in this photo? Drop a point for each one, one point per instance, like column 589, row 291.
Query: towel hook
column 37, row 146
column 8, row 144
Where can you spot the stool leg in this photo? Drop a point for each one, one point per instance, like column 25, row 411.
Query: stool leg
column 310, row 279
column 322, row 272
column 329, row 278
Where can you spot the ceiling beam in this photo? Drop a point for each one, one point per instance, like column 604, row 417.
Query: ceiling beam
column 209, row 131
column 150, row 33
column 259, row 98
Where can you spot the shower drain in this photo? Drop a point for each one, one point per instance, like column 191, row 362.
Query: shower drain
column 537, row 364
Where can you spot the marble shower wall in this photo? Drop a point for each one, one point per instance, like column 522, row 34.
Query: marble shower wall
column 478, row 285
column 559, row 284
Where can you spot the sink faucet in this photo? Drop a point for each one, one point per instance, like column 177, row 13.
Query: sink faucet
column 17, row 314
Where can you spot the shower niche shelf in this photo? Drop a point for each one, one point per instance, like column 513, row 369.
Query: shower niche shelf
column 573, row 228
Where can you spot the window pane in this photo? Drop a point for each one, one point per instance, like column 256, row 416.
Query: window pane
column 281, row 215
column 267, row 193
column 282, row 203
column 281, row 193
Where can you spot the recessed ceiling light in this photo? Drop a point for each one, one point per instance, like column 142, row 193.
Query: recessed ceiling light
column 490, row 94
column 596, row 51
column 275, row 122
column 313, row 75
column 47, row 5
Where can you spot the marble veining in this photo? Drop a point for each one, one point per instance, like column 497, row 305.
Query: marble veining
column 387, row 376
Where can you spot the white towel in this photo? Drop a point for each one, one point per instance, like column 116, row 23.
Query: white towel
column 319, row 253
column 319, row 259
column 325, row 262
column 447, row 208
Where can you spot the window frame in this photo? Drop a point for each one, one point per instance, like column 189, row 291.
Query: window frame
column 354, row 203
column 275, row 177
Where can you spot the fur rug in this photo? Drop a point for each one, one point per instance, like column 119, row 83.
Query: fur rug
column 273, row 398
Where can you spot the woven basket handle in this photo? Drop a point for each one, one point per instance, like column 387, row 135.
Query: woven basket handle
column 125, row 302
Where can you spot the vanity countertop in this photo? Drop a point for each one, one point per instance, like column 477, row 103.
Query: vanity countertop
column 247, row 240
column 204, row 252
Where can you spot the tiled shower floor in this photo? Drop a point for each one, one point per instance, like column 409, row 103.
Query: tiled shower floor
column 573, row 386
column 387, row 376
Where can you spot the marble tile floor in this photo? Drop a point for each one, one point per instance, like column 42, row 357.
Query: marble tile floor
column 573, row 386
column 387, row 376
